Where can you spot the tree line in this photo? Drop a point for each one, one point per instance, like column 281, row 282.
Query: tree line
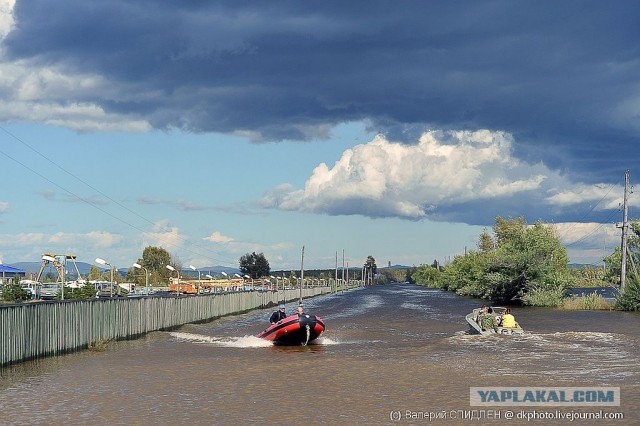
column 526, row 264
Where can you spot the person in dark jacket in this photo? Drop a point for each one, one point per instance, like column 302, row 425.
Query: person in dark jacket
column 278, row 315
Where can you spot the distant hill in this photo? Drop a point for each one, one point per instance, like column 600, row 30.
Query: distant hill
column 212, row 270
column 34, row 267
column 396, row 267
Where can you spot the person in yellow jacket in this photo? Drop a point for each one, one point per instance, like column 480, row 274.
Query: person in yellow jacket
column 508, row 320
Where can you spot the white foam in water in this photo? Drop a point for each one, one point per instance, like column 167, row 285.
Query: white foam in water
column 325, row 341
column 230, row 342
column 239, row 342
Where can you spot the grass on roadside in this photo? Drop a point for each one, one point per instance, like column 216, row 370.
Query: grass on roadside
column 98, row 346
column 590, row 302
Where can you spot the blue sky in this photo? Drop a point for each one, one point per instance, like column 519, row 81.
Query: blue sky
column 219, row 129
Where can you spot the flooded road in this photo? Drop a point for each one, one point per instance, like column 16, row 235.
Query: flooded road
column 386, row 349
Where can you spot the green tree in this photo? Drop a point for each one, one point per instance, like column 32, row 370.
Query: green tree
column 629, row 298
column 136, row 276
column 485, row 243
column 525, row 258
column 370, row 268
column 14, row 293
column 254, row 265
column 589, row 276
column 155, row 259
column 428, row 276
column 614, row 260
column 390, row 275
column 94, row 273
column 370, row 264
column 466, row 274
column 408, row 274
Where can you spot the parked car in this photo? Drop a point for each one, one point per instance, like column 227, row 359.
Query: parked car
column 31, row 287
column 107, row 289
column 49, row 291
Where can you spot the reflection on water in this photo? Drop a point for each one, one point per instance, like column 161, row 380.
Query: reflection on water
column 397, row 347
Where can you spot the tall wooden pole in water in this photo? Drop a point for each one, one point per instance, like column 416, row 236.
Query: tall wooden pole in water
column 625, row 228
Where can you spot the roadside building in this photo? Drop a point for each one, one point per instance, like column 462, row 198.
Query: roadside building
column 10, row 274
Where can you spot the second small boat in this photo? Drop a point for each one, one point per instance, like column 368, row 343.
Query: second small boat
column 475, row 324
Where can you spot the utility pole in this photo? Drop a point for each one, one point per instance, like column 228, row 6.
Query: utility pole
column 625, row 231
column 343, row 268
column 336, row 282
column 347, row 273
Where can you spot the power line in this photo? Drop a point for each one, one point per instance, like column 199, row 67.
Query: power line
column 584, row 217
column 593, row 231
column 165, row 229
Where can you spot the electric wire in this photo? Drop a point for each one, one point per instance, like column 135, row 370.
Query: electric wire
column 584, row 217
column 593, row 231
column 88, row 202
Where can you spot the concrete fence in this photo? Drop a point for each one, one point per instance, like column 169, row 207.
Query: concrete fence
column 42, row 329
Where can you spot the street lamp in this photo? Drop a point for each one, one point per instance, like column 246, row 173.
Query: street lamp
column 199, row 283
column 53, row 260
column 226, row 288
column 172, row 269
column 146, row 275
column 105, row 263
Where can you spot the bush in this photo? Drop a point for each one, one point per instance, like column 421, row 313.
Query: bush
column 629, row 299
column 14, row 293
column 552, row 297
column 84, row 292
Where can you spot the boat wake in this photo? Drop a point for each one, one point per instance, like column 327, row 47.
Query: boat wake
column 568, row 356
column 230, row 342
column 238, row 342
column 325, row 341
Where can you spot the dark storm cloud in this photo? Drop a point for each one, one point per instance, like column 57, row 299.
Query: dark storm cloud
column 562, row 77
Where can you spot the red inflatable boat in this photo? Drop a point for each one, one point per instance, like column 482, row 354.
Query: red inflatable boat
column 294, row 330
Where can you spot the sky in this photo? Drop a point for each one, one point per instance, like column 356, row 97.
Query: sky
column 396, row 130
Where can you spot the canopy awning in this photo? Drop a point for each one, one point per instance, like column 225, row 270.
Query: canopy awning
column 6, row 269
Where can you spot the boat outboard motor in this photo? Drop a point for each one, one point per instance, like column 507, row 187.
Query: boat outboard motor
column 308, row 323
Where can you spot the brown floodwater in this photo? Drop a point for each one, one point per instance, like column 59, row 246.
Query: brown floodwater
column 386, row 349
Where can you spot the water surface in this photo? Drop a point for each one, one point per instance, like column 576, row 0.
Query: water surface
column 386, row 348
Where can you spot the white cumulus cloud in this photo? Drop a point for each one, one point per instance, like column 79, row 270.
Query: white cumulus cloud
column 466, row 176
column 217, row 237
column 601, row 195
column 383, row 178
column 164, row 235
column 7, row 20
